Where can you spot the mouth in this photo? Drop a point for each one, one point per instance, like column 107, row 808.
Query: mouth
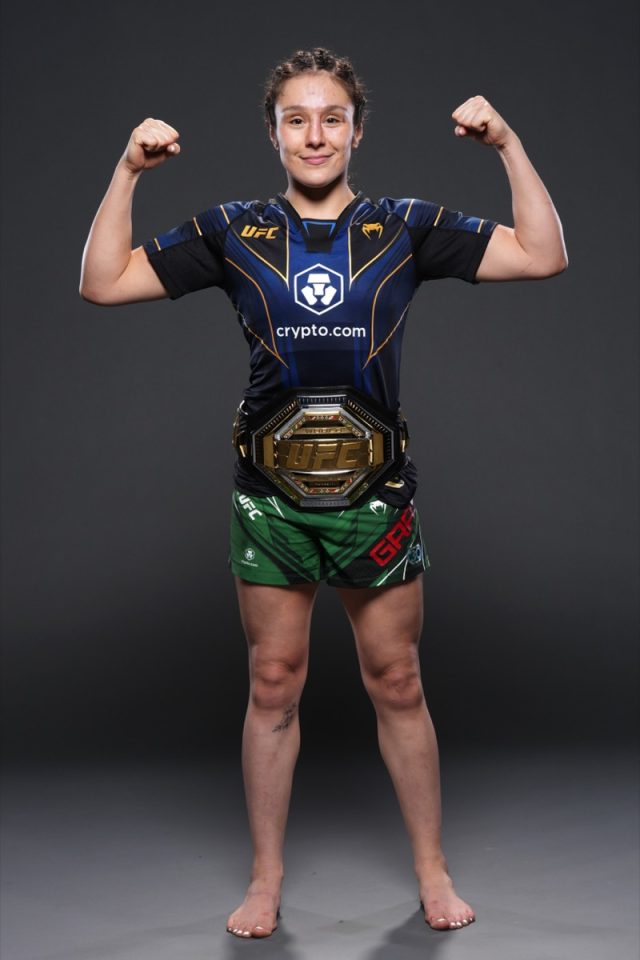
column 316, row 160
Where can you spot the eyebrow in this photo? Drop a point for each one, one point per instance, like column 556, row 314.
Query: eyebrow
column 298, row 107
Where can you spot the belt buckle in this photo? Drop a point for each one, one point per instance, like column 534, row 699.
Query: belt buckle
column 324, row 448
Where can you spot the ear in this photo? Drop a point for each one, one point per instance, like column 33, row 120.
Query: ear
column 273, row 138
column 358, row 134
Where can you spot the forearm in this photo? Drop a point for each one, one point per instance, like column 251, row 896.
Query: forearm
column 536, row 223
column 108, row 247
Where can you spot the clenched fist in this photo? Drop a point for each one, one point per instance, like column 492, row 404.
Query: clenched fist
column 149, row 145
column 477, row 119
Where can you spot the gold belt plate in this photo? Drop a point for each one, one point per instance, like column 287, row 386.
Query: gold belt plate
column 324, row 451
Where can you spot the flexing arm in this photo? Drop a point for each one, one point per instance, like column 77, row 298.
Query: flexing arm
column 111, row 271
column 534, row 247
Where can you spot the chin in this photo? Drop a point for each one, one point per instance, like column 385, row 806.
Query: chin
column 317, row 178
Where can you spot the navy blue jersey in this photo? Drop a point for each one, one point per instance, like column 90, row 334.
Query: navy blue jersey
column 320, row 303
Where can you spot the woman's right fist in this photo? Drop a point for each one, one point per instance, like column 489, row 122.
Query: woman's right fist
column 150, row 144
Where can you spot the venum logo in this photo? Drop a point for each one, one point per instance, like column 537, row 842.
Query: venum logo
column 319, row 289
column 372, row 230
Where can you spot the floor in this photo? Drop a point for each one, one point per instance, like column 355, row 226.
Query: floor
column 145, row 862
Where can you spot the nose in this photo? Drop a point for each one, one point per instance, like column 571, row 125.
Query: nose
column 315, row 133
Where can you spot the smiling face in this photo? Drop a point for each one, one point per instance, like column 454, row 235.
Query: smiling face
column 314, row 130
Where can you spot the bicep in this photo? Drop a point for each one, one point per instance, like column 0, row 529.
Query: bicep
column 504, row 258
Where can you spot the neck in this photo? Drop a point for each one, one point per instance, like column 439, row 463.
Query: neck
column 319, row 203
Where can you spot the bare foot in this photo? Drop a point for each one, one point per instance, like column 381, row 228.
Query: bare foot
column 443, row 908
column 257, row 914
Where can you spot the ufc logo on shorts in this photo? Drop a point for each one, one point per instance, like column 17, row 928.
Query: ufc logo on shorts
column 319, row 289
column 247, row 504
column 391, row 544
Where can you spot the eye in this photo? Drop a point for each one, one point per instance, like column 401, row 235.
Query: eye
column 333, row 120
column 296, row 121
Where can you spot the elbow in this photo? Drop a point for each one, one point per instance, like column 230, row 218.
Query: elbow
column 93, row 296
column 88, row 296
column 549, row 267
column 560, row 261
column 560, row 265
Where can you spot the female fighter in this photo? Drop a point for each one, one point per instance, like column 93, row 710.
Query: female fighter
column 321, row 278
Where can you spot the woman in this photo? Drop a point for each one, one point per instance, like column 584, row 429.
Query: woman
column 322, row 279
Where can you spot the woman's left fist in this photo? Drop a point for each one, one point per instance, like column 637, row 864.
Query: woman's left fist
column 477, row 119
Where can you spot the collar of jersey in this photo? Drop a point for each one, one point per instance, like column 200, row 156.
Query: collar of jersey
column 291, row 212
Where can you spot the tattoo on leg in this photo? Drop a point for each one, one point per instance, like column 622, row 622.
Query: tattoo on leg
column 286, row 718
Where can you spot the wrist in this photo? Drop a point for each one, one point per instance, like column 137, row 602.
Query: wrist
column 510, row 141
column 125, row 172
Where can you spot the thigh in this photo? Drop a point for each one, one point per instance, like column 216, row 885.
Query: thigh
column 276, row 622
column 386, row 622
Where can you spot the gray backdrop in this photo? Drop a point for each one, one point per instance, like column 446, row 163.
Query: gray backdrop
column 120, row 624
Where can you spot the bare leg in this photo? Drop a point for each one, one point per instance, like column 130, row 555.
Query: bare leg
column 276, row 622
column 387, row 623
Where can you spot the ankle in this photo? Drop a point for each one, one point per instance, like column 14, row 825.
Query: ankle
column 431, row 865
column 267, row 872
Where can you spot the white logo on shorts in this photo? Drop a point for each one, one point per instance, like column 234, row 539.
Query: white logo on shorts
column 377, row 506
column 248, row 505
column 249, row 554
column 318, row 289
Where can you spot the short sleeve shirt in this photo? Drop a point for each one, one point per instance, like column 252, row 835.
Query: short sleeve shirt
column 320, row 303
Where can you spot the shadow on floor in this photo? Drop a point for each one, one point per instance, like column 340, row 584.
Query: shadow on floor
column 411, row 938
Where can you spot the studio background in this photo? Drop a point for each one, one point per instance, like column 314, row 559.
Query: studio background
column 121, row 630
column 124, row 664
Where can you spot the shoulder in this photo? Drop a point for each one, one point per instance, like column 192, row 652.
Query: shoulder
column 222, row 215
column 414, row 212
column 425, row 214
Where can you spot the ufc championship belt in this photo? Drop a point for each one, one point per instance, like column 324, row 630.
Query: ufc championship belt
column 323, row 448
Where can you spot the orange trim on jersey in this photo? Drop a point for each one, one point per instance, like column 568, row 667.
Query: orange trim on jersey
column 373, row 307
column 373, row 259
column 273, row 351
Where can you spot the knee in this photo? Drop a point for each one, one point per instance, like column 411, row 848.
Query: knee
column 398, row 687
column 275, row 683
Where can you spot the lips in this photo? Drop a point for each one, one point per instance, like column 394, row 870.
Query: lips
column 315, row 161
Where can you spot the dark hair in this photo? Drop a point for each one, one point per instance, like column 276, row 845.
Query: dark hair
column 317, row 59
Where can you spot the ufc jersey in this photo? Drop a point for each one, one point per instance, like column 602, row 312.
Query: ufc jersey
column 321, row 303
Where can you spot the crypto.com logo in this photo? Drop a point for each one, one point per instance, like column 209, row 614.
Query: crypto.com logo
column 318, row 289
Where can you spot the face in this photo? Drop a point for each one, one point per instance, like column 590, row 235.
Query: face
column 314, row 129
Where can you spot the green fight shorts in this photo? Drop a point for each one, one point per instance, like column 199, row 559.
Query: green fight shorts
column 372, row 545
